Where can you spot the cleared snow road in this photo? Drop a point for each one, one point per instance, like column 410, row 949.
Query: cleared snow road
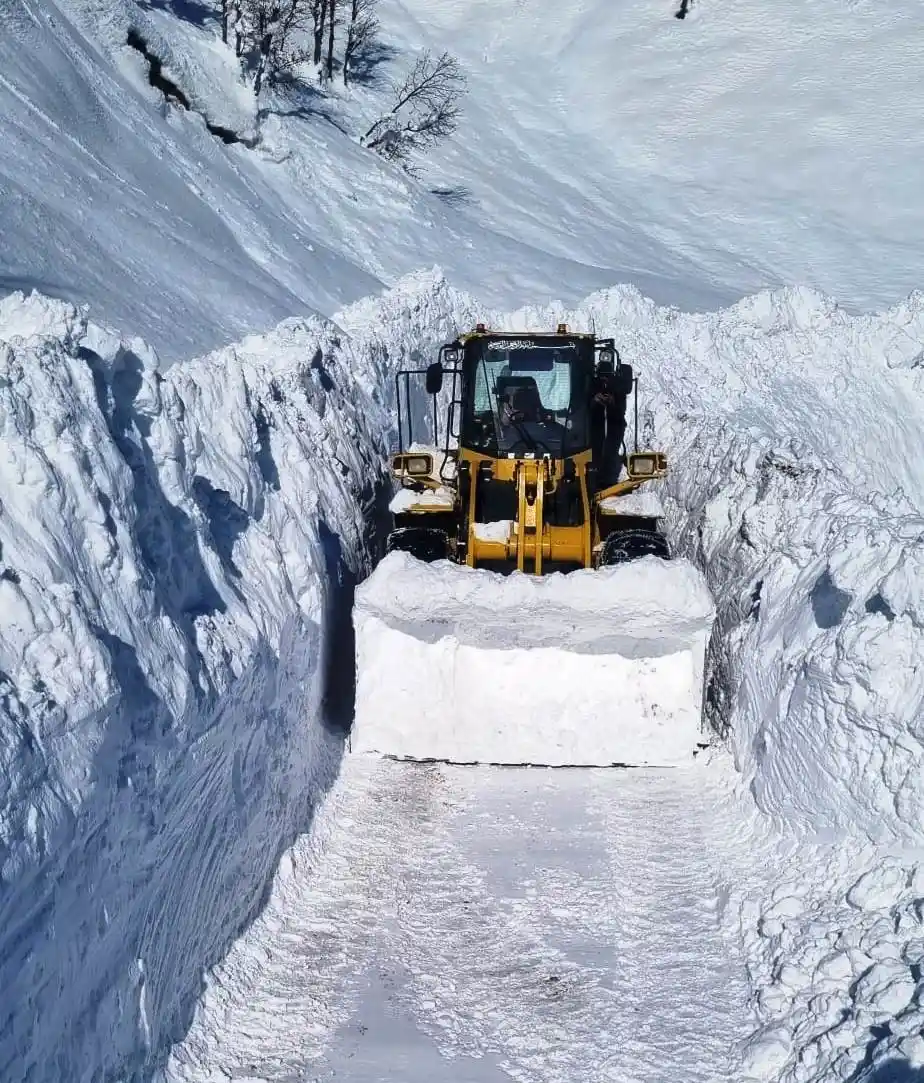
column 476, row 924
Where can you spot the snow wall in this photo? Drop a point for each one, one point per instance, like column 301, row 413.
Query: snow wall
column 176, row 558
column 167, row 587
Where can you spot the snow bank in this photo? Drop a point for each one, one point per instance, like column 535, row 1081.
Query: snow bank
column 700, row 160
column 591, row 668
column 837, row 961
column 176, row 551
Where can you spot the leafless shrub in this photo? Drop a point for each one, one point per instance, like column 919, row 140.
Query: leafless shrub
column 425, row 109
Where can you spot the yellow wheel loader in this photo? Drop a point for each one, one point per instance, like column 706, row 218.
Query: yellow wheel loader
column 533, row 466
column 528, row 476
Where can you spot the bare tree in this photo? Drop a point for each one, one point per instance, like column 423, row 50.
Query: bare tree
column 270, row 36
column 287, row 52
column 262, row 21
column 227, row 13
column 233, row 23
column 331, row 31
column 425, row 109
column 318, row 11
column 362, row 31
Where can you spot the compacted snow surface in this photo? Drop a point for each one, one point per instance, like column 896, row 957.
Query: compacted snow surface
column 470, row 925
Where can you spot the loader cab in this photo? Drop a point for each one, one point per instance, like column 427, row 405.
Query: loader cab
column 526, row 395
column 525, row 465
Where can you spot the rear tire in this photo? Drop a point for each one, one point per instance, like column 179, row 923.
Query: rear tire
column 422, row 542
column 624, row 545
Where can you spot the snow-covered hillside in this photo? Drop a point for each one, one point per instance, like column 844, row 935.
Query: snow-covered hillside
column 752, row 144
column 599, row 143
column 115, row 198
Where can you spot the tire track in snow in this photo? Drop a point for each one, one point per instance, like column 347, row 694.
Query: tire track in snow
column 480, row 925
column 491, row 977
column 682, row 981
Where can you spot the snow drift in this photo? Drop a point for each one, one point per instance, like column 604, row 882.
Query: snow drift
column 463, row 665
column 176, row 551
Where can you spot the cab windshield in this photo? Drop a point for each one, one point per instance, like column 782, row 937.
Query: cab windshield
column 526, row 396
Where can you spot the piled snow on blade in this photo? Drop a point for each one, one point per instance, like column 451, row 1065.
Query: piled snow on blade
column 591, row 669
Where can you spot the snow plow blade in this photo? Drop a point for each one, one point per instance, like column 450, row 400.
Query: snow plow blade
column 593, row 668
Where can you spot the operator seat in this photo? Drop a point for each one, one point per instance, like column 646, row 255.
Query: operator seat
column 523, row 394
column 527, row 402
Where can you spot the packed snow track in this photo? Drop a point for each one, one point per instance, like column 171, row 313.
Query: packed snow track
column 476, row 924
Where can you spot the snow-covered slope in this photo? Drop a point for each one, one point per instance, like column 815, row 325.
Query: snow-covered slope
column 600, row 143
column 112, row 197
column 750, row 145
column 109, row 199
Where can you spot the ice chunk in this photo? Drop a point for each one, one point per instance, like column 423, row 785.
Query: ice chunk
column 766, row 1054
column 407, row 499
column 880, row 887
column 498, row 531
column 885, row 989
column 644, row 501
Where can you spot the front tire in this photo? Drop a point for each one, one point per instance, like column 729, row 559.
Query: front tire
column 624, row 545
column 424, row 543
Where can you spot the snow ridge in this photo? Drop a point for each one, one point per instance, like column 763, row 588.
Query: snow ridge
column 175, row 551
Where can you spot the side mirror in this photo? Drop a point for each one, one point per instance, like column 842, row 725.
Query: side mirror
column 434, row 378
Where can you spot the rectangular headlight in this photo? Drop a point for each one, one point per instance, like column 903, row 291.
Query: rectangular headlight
column 418, row 465
column 642, row 466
